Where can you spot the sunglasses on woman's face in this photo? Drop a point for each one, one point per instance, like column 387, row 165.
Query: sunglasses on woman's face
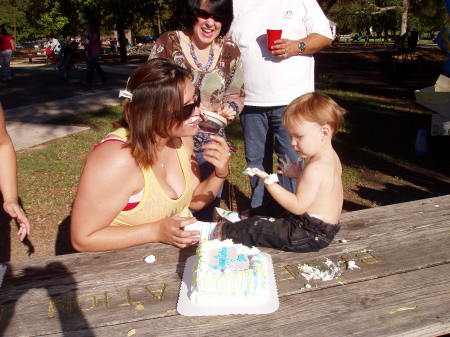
column 187, row 110
column 205, row 15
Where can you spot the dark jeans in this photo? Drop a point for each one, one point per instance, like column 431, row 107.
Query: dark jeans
column 66, row 62
column 206, row 214
column 94, row 65
column 264, row 134
column 292, row 233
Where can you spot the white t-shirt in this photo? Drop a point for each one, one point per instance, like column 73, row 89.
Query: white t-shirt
column 268, row 80
column 55, row 46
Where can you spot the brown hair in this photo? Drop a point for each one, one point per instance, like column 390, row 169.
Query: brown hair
column 315, row 107
column 158, row 97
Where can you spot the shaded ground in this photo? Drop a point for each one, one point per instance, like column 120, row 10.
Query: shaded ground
column 377, row 145
column 35, row 83
column 380, row 143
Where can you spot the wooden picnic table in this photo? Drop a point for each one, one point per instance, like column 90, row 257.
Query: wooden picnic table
column 401, row 289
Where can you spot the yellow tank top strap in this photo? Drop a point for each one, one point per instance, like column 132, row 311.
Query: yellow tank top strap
column 120, row 132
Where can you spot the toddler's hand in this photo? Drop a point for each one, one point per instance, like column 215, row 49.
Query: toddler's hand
column 287, row 168
column 254, row 171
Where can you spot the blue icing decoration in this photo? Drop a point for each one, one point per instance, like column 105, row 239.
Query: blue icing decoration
column 224, row 261
column 241, row 258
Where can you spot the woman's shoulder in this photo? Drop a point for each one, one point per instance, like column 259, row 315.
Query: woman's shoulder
column 169, row 36
column 112, row 154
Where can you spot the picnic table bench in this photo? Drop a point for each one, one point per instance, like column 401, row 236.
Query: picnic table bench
column 405, row 46
column 401, row 289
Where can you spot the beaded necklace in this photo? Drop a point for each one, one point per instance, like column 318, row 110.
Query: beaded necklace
column 197, row 62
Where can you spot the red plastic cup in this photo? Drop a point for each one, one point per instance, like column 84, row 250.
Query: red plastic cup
column 272, row 36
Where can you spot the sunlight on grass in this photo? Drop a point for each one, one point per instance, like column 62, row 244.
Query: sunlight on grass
column 350, row 177
column 385, row 104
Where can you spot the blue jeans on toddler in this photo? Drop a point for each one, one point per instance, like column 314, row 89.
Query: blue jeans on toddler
column 291, row 233
column 264, row 134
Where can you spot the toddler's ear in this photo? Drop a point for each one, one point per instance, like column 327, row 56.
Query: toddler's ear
column 326, row 130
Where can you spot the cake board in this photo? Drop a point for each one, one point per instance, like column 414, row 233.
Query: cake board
column 187, row 308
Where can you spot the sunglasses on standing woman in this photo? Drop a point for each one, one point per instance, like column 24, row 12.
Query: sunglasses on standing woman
column 205, row 15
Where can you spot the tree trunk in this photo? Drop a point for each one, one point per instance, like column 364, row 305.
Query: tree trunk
column 122, row 43
column 405, row 17
column 15, row 28
column 158, row 20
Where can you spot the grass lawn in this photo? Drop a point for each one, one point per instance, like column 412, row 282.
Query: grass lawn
column 376, row 146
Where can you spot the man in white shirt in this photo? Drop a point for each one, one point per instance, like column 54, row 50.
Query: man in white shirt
column 54, row 45
column 273, row 78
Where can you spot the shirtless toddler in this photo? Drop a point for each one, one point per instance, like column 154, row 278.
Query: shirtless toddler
column 313, row 212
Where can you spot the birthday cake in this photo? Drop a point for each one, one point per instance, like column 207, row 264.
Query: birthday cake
column 229, row 273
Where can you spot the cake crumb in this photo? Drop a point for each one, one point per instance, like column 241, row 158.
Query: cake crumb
column 150, row 259
column 352, row 265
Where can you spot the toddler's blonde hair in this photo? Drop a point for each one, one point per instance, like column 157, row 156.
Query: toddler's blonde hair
column 315, row 107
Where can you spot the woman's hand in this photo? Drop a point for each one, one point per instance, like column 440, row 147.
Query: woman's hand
column 218, row 154
column 16, row 212
column 287, row 168
column 171, row 231
column 285, row 48
column 227, row 111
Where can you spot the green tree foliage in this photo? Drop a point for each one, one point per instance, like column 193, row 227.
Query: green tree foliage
column 13, row 17
column 387, row 15
column 428, row 16
column 359, row 15
column 51, row 21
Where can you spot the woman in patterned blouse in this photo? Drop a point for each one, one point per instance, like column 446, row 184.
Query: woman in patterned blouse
column 215, row 66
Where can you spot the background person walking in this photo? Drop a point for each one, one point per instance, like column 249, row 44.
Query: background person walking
column 7, row 46
column 93, row 47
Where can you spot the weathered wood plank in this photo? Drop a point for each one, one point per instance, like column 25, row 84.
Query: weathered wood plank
column 410, row 304
column 87, row 293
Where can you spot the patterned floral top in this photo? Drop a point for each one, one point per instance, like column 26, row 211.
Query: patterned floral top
column 222, row 84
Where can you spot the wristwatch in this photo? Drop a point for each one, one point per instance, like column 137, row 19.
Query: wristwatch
column 301, row 47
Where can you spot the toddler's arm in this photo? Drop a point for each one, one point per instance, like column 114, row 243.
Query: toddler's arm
column 307, row 189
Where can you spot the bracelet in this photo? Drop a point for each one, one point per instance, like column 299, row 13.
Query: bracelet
column 220, row 177
column 270, row 179
column 234, row 106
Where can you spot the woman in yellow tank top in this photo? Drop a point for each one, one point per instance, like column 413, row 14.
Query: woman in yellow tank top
column 138, row 185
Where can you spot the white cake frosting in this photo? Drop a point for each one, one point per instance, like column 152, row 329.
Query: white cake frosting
column 226, row 272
